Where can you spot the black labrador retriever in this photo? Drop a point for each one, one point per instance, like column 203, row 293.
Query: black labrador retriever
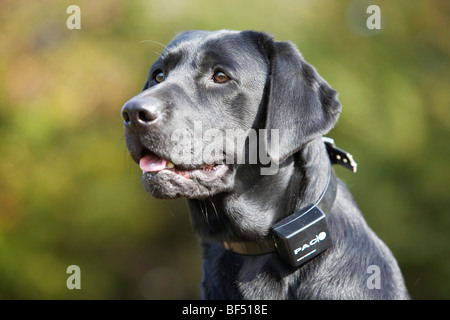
column 233, row 121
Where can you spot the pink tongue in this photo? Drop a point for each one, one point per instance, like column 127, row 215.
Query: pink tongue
column 152, row 163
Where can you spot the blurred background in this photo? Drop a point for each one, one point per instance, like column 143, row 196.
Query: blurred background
column 70, row 194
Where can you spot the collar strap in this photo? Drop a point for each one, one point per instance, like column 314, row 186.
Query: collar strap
column 339, row 156
column 313, row 213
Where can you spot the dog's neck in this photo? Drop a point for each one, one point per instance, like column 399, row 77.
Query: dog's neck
column 248, row 212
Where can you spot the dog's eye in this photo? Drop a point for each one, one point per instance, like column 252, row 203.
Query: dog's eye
column 159, row 76
column 220, row 77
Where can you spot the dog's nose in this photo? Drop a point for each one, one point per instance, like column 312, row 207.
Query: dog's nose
column 141, row 112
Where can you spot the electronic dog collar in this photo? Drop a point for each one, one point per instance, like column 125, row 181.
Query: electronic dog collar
column 303, row 235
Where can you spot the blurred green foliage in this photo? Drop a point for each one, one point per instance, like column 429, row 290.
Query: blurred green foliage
column 70, row 194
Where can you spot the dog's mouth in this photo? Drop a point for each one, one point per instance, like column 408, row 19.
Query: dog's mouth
column 164, row 179
column 151, row 163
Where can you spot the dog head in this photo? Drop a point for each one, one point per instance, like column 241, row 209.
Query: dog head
column 207, row 101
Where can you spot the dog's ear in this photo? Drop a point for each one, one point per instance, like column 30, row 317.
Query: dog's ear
column 301, row 104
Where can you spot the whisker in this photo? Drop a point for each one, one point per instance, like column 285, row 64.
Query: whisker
column 215, row 210
column 153, row 41
column 204, row 212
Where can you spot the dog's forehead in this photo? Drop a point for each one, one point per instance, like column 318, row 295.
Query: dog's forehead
column 192, row 41
column 224, row 47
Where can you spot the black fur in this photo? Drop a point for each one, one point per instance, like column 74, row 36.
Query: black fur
column 270, row 87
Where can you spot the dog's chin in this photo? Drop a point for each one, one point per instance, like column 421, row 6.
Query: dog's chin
column 192, row 184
